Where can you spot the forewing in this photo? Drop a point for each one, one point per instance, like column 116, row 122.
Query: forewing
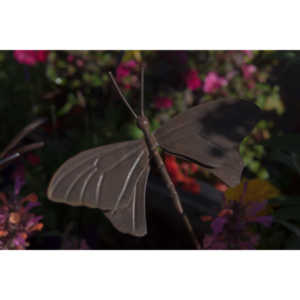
column 210, row 134
column 132, row 219
column 102, row 177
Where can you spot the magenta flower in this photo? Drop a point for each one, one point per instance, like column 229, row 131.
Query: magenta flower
column 125, row 73
column 30, row 57
column 163, row 103
column 124, row 69
column 70, row 58
column 192, row 80
column 248, row 71
column 41, row 55
column 213, row 82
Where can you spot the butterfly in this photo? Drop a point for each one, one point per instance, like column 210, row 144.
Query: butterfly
column 114, row 177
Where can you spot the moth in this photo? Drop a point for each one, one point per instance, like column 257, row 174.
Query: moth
column 113, row 177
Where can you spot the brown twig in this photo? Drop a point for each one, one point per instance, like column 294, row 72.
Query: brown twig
column 25, row 131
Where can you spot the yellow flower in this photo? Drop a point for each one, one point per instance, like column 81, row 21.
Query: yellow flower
column 132, row 54
column 258, row 190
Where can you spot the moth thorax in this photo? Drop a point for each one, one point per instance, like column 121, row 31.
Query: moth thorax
column 142, row 123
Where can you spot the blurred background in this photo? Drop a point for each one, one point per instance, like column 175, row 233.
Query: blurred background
column 73, row 91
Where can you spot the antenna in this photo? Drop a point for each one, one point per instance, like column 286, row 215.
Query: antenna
column 9, row 158
column 121, row 94
column 142, row 90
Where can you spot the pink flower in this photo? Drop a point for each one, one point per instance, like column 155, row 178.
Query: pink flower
column 248, row 71
column 30, row 57
column 213, row 82
column 79, row 63
column 163, row 102
column 192, row 80
column 231, row 74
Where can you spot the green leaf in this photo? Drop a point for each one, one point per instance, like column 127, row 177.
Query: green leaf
column 133, row 131
column 72, row 100
column 288, row 213
column 154, row 124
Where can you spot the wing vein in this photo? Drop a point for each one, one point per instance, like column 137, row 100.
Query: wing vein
column 68, row 191
column 73, row 168
column 85, row 184
column 127, row 180
column 133, row 208
column 98, row 186
column 130, row 153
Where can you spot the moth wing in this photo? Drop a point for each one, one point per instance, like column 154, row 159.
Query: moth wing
column 132, row 219
column 210, row 134
column 103, row 177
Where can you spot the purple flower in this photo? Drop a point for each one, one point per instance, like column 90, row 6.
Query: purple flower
column 19, row 241
column 253, row 211
column 231, row 229
column 218, row 224
column 254, row 208
column 30, row 205
column 3, row 217
column 17, row 223
column 19, row 178
column 33, row 221
column 210, row 242
column 264, row 220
